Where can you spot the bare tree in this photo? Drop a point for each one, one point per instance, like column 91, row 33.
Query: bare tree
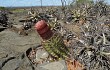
column 63, row 8
column 41, row 5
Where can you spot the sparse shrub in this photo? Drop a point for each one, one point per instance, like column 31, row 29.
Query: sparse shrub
column 2, row 8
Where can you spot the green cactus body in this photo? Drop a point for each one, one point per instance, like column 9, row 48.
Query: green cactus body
column 56, row 47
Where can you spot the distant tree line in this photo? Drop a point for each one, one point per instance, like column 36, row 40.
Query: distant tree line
column 2, row 8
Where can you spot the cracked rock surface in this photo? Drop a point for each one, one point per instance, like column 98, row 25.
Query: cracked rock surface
column 13, row 48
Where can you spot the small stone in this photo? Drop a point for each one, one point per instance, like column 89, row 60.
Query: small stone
column 41, row 54
column 59, row 65
column 18, row 26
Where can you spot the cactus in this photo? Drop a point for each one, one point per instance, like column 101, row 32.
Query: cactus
column 55, row 47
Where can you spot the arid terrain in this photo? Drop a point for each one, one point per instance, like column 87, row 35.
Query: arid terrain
column 84, row 31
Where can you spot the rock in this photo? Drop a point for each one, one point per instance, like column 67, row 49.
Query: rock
column 2, row 28
column 25, row 65
column 41, row 54
column 13, row 41
column 18, row 26
column 15, row 62
column 13, row 47
column 59, row 65
column 11, row 65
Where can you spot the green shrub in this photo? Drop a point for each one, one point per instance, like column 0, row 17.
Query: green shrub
column 2, row 8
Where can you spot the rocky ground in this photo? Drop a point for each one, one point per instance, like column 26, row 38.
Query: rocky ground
column 13, row 48
column 88, row 41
